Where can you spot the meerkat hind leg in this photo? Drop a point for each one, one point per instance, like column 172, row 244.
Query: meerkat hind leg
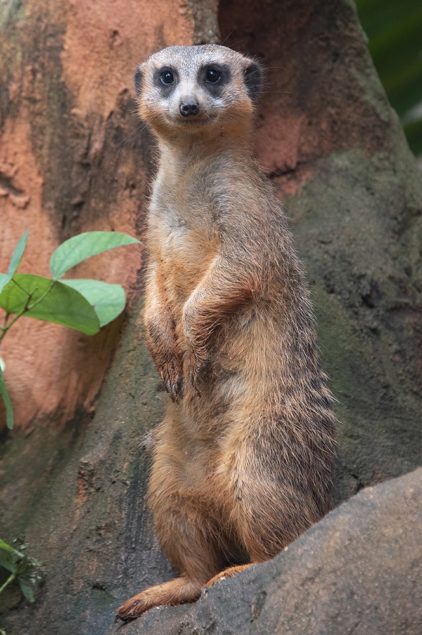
column 187, row 536
column 177, row 591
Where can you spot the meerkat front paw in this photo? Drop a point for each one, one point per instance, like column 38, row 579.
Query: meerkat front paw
column 195, row 358
column 194, row 364
column 172, row 375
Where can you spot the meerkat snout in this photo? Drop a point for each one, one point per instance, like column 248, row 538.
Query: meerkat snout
column 189, row 107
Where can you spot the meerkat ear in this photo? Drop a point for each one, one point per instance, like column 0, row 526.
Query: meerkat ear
column 253, row 79
column 138, row 79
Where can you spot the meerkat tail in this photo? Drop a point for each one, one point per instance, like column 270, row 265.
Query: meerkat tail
column 177, row 591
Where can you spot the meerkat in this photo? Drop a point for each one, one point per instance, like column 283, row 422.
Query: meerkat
column 243, row 461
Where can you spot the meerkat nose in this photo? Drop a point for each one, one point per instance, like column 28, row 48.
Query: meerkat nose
column 188, row 108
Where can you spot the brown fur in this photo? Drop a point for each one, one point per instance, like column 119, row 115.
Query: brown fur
column 243, row 461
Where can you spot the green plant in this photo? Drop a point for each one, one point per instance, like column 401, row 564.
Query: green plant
column 394, row 31
column 21, row 568
column 83, row 305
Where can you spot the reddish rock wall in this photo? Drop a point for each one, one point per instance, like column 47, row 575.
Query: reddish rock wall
column 72, row 159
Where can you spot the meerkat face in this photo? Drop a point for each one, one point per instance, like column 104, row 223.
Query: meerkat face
column 192, row 88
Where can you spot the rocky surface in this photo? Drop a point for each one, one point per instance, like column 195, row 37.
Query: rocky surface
column 358, row 571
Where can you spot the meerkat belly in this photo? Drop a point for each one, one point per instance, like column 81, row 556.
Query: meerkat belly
column 238, row 369
column 246, row 361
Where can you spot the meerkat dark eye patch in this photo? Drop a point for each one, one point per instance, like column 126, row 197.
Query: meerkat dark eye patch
column 166, row 79
column 214, row 77
column 253, row 80
column 137, row 79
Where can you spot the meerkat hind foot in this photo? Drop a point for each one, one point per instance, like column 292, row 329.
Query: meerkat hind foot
column 228, row 573
column 177, row 591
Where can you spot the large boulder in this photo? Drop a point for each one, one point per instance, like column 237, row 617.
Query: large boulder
column 357, row 571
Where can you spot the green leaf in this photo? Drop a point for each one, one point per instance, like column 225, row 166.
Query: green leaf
column 394, row 30
column 18, row 253
column 4, row 546
column 27, row 590
column 9, row 558
column 413, row 131
column 4, row 279
column 10, row 421
column 107, row 299
column 14, row 261
column 51, row 301
column 83, row 246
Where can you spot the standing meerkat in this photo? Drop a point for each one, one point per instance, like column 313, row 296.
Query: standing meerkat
column 243, row 461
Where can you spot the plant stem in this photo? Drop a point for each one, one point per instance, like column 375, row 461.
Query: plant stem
column 10, row 579
column 6, row 317
column 53, row 282
column 16, row 283
column 25, row 309
column 16, row 318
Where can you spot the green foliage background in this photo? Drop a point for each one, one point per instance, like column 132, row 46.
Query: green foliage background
column 394, row 29
column 83, row 305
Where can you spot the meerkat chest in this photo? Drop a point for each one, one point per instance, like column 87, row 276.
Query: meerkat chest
column 180, row 239
column 185, row 245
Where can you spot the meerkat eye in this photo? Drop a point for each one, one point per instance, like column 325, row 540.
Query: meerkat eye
column 167, row 77
column 213, row 75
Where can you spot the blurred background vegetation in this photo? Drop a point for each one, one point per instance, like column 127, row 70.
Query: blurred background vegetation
column 394, row 30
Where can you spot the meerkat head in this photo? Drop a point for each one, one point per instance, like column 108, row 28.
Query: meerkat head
column 192, row 89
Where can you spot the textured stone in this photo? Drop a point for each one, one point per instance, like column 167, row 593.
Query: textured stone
column 357, row 571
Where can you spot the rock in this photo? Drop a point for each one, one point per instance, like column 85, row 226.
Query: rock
column 357, row 571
